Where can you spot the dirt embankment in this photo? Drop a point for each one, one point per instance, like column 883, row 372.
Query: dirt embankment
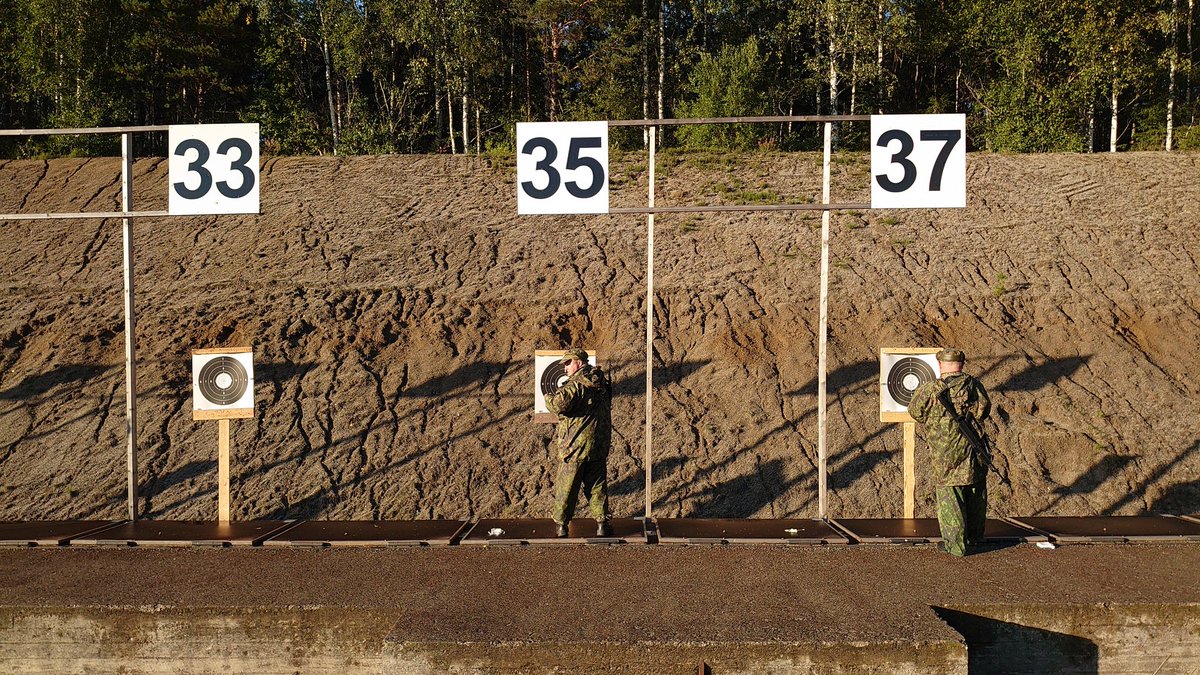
column 394, row 304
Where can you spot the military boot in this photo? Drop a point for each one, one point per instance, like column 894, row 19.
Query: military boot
column 603, row 529
column 560, row 529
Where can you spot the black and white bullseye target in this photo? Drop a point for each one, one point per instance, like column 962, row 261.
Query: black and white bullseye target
column 548, row 375
column 901, row 371
column 222, row 382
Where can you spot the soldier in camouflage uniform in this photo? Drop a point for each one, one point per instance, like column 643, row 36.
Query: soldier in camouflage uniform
column 950, row 410
column 583, row 405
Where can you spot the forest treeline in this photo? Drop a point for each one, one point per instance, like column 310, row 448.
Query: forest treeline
column 415, row 76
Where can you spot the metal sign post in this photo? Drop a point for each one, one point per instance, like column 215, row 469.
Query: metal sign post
column 130, row 323
column 650, row 328
column 226, row 158
column 822, row 331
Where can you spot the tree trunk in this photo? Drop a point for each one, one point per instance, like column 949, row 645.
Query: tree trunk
column 833, row 73
column 333, row 117
column 450, row 118
column 879, row 57
column 853, row 82
column 1171, row 77
column 553, row 74
column 1112, row 134
column 646, row 52
column 662, row 64
column 466, row 136
column 1091, row 137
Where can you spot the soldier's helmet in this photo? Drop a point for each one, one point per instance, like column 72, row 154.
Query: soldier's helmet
column 572, row 354
column 951, row 355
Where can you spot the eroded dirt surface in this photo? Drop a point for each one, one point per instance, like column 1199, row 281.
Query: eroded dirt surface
column 394, row 305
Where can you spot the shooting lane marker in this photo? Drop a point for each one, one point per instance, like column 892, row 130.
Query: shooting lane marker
column 901, row 371
column 223, row 389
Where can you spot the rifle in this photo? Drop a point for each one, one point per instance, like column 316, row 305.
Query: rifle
column 978, row 440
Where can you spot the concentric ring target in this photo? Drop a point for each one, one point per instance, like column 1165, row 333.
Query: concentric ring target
column 223, row 380
column 905, row 376
column 553, row 377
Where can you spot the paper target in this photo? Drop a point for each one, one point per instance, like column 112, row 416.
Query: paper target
column 548, row 376
column 901, row 371
column 222, row 382
column 553, row 377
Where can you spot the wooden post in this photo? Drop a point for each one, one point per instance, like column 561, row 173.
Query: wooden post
column 650, row 330
column 130, row 324
column 822, row 329
column 910, row 472
column 223, row 471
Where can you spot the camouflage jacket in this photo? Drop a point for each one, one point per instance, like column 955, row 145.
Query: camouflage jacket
column 955, row 460
column 584, row 408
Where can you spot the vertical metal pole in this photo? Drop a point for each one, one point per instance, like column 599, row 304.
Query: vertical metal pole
column 822, row 329
column 650, row 329
column 130, row 322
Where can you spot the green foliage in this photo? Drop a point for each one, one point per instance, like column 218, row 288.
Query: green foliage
column 367, row 76
column 727, row 85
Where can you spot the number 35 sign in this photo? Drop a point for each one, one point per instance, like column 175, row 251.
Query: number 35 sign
column 213, row 169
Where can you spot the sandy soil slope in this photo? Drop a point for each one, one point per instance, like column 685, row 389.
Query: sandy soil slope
column 394, row 304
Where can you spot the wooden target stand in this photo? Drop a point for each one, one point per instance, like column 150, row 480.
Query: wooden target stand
column 910, row 431
column 223, row 414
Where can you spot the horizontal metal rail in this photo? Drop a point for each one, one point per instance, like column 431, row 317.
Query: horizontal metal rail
column 80, row 132
column 739, row 120
column 88, row 214
column 748, row 207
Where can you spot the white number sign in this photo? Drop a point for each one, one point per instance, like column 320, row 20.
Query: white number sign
column 918, row 161
column 213, row 168
column 562, row 167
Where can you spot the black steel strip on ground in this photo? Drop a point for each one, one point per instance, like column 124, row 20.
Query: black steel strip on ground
column 891, row 530
column 323, row 533
column 183, row 533
column 540, row 531
column 50, row 532
column 747, row 531
column 1114, row 528
column 521, row 532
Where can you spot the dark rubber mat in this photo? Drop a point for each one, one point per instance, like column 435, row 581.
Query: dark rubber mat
column 369, row 533
column 49, row 532
column 184, row 533
column 537, row 531
column 746, row 531
column 926, row 530
column 891, row 530
column 1114, row 528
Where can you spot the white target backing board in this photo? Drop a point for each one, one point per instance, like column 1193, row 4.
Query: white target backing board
column 901, row 371
column 222, row 383
column 548, row 376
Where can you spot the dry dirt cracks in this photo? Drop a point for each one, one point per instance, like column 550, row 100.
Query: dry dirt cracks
column 394, row 305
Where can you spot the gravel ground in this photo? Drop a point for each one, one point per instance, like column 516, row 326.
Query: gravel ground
column 736, row 594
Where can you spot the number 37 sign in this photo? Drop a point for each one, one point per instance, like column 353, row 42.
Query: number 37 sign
column 917, row 161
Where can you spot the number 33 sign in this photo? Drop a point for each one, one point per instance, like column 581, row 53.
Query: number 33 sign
column 213, row 169
column 918, row 161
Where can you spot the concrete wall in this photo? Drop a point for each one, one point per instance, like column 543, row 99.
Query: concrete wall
column 1105, row 638
column 331, row 640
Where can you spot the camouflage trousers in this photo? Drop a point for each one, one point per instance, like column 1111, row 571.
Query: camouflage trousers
column 592, row 478
column 962, row 511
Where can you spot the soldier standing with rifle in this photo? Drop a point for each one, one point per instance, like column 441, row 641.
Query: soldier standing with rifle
column 951, row 410
column 584, row 408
